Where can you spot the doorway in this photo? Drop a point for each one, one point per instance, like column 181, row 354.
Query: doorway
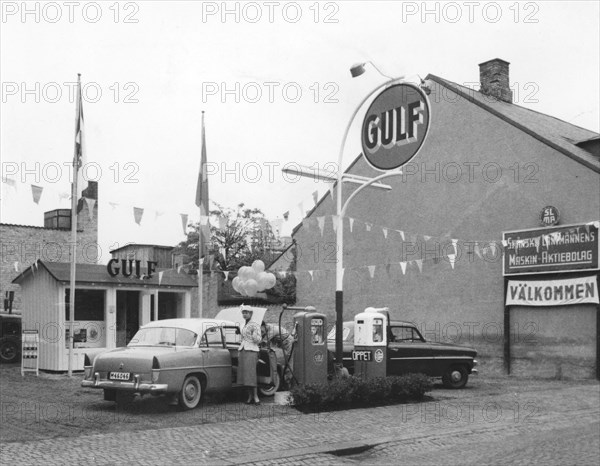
column 128, row 316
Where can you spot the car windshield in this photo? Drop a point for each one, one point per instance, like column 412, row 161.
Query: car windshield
column 163, row 336
column 345, row 334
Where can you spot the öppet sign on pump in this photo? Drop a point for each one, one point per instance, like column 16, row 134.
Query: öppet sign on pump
column 395, row 126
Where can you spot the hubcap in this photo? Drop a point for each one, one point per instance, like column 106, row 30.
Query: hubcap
column 190, row 392
column 456, row 376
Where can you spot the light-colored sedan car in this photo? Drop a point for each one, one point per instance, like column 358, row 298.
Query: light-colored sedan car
column 179, row 358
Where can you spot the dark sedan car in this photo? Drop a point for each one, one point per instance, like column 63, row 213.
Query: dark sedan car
column 10, row 338
column 409, row 352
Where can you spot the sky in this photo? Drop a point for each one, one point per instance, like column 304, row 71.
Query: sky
column 273, row 80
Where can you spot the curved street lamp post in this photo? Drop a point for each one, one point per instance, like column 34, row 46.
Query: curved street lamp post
column 341, row 177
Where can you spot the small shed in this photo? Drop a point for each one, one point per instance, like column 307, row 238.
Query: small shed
column 108, row 309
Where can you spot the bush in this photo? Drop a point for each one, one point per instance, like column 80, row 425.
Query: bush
column 358, row 392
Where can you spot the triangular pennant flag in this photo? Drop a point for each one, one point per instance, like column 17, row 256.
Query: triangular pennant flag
column 321, row 222
column 371, row 270
column 36, row 191
column 10, row 182
column 286, row 215
column 477, row 251
column 403, row 267
column 452, row 259
column 184, row 222
column 419, row 264
column 316, row 197
column 454, row 243
column 90, row 205
column 331, row 186
column 113, row 205
column 310, row 272
column 385, row 232
column 201, row 261
column 179, row 268
column 160, row 276
column 351, row 222
column 368, row 226
column 16, row 264
column 426, row 237
column 335, row 220
column 138, row 213
column 401, row 234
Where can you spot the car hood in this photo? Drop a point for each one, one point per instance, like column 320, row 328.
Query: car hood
column 130, row 359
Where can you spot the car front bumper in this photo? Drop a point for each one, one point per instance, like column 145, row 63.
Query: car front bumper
column 134, row 387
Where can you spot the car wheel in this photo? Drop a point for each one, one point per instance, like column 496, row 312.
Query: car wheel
column 270, row 388
column 9, row 351
column 190, row 393
column 455, row 377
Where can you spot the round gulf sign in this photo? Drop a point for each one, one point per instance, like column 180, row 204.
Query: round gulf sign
column 395, row 126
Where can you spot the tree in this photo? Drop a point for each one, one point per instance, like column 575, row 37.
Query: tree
column 238, row 237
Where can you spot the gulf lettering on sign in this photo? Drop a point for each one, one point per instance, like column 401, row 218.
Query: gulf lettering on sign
column 395, row 126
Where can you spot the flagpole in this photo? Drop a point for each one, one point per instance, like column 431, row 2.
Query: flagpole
column 200, row 235
column 74, row 229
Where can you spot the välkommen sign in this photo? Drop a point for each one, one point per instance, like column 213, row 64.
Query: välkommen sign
column 552, row 292
column 567, row 248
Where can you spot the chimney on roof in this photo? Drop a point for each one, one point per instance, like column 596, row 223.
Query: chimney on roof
column 493, row 75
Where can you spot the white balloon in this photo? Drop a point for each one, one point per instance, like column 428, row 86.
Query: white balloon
column 235, row 283
column 262, row 280
column 258, row 266
column 271, row 280
column 244, row 272
column 251, row 287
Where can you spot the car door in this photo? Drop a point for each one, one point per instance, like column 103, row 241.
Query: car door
column 408, row 352
column 216, row 358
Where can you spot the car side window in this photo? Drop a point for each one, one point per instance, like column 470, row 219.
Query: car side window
column 404, row 334
column 213, row 337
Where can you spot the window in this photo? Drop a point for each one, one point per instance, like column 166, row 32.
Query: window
column 404, row 334
column 163, row 336
column 212, row 337
column 89, row 304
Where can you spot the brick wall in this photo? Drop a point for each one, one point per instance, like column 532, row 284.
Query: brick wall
column 23, row 245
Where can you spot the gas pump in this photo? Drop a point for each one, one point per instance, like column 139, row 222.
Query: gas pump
column 370, row 343
column 310, row 352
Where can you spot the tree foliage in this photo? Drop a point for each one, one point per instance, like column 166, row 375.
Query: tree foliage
column 238, row 237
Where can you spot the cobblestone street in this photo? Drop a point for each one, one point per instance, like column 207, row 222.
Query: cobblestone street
column 553, row 424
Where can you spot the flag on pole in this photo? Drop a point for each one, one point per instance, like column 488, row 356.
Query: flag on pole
column 80, row 155
column 202, row 196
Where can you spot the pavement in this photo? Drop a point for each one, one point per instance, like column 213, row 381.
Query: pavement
column 234, row 433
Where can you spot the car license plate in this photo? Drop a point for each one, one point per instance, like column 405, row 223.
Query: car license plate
column 364, row 355
column 119, row 375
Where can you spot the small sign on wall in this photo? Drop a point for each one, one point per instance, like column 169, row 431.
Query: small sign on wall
column 30, row 343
